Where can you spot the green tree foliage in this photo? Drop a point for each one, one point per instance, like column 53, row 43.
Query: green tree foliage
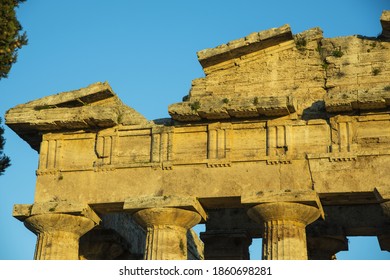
column 4, row 160
column 11, row 40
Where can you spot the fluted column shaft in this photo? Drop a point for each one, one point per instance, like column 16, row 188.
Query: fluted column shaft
column 166, row 232
column 58, row 235
column 282, row 238
column 284, row 235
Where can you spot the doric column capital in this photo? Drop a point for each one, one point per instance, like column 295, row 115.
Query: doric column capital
column 58, row 235
column 58, row 226
column 166, row 231
column 284, row 211
column 284, row 235
column 153, row 217
column 46, row 223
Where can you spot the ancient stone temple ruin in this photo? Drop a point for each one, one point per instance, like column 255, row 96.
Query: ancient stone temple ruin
column 286, row 138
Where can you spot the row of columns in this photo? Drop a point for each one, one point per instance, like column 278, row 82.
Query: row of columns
column 284, row 236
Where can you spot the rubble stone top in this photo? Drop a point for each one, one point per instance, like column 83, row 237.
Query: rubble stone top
column 253, row 42
column 93, row 107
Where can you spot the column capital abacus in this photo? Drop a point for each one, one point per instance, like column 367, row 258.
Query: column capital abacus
column 166, row 220
column 284, row 236
column 284, row 211
column 58, row 226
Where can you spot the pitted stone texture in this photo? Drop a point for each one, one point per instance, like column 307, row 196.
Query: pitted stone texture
column 58, row 235
column 284, row 229
column 166, row 232
column 236, row 48
column 95, row 106
column 320, row 74
column 256, row 78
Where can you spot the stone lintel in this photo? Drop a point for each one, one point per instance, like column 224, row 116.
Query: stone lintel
column 310, row 198
column 375, row 99
column 23, row 211
column 135, row 204
column 385, row 22
column 251, row 43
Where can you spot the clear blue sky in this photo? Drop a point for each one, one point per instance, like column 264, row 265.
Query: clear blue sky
column 146, row 50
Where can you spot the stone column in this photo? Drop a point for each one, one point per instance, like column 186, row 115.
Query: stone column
column 58, row 235
column 326, row 247
column 166, row 232
column 284, row 228
column 226, row 245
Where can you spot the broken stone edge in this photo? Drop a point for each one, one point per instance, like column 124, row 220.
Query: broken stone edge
column 93, row 107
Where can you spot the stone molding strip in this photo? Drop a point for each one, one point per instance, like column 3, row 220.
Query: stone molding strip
column 134, row 204
column 216, row 109
column 23, row 211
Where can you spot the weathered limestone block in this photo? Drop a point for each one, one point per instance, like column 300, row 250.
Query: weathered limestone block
column 239, row 107
column 236, row 48
column 349, row 73
column 252, row 77
column 95, row 106
column 357, row 100
column 284, row 222
column 357, row 73
column 166, row 232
